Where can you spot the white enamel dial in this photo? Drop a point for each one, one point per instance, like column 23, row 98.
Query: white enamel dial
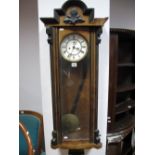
column 73, row 48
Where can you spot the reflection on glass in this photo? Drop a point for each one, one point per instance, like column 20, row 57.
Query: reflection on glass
column 75, row 98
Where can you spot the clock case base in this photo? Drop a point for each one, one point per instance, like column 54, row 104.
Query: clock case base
column 76, row 152
column 77, row 145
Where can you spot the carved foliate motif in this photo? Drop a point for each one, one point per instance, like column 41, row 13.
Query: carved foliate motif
column 49, row 32
column 54, row 140
column 97, row 136
column 74, row 17
column 98, row 36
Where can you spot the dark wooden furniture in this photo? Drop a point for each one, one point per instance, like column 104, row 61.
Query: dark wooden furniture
column 121, row 143
column 74, row 81
column 121, row 91
column 28, row 140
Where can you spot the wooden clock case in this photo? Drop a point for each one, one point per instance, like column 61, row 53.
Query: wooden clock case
column 75, row 17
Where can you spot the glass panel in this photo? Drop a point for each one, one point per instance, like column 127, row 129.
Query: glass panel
column 75, row 99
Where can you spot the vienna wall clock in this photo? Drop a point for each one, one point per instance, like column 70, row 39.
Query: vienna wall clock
column 74, row 37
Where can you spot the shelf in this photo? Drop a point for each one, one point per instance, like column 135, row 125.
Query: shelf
column 126, row 65
column 123, row 123
column 125, row 76
column 125, row 106
column 122, row 97
column 121, row 109
column 125, row 88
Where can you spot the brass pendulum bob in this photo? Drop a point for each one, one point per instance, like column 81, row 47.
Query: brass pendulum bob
column 70, row 122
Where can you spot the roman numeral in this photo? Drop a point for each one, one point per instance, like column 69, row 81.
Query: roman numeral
column 69, row 55
column 81, row 41
column 63, row 46
column 83, row 46
column 82, row 51
column 64, row 51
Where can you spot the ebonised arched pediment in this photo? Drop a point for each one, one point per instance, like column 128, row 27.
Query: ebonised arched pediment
column 71, row 16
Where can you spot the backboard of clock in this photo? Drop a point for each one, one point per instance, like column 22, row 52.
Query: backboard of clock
column 74, row 36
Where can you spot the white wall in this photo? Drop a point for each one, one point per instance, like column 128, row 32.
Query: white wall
column 29, row 70
column 46, row 10
column 122, row 14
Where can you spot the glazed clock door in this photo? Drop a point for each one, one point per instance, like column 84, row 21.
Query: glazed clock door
column 74, row 56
